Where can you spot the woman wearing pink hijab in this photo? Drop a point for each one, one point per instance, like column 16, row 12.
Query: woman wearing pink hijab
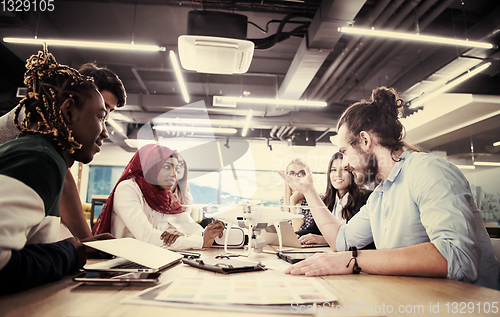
column 142, row 205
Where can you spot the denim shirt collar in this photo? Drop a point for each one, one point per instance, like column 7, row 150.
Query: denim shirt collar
column 394, row 172
column 399, row 165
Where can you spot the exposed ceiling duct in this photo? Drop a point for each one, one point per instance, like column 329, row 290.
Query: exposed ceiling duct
column 315, row 48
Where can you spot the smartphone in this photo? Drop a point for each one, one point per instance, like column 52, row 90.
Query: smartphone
column 186, row 254
column 117, row 277
column 294, row 257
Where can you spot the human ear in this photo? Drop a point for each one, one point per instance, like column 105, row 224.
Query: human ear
column 68, row 110
column 365, row 139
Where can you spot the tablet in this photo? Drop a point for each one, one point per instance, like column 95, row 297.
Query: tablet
column 117, row 277
column 294, row 257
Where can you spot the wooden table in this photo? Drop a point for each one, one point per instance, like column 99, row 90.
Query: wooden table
column 359, row 295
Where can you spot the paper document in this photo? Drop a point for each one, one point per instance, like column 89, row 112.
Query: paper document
column 246, row 291
column 272, row 295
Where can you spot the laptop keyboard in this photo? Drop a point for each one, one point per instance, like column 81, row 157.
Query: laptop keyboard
column 130, row 265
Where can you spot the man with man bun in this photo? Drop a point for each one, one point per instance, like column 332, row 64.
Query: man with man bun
column 421, row 216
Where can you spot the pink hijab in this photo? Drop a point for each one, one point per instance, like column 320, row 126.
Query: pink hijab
column 144, row 168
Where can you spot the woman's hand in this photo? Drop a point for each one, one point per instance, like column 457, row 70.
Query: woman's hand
column 312, row 239
column 299, row 184
column 213, row 230
column 296, row 197
column 170, row 235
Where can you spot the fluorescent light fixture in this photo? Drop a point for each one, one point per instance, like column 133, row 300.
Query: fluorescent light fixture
column 466, row 167
column 207, row 130
column 414, row 37
column 247, row 123
column 178, row 74
column 119, row 116
column 227, row 101
column 494, row 164
column 497, row 143
column 426, row 97
column 135, row 142
column 116, row 126
column 86, row 44
column 196, row 121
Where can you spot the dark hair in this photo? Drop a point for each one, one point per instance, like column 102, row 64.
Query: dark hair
column 378, row 116
column 105, row 79
column 331, row 192
column 49, row 85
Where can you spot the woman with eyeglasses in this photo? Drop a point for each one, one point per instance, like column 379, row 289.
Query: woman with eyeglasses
column 181, row 190
column 296, row 168
column 343, row 197
column 142, row 205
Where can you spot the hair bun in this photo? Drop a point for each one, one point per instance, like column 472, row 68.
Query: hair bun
column 387, row 100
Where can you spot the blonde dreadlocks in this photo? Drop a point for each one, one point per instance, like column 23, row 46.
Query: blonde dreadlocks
column 49, row 84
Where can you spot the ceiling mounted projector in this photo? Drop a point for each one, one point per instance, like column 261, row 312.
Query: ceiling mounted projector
column 216, row 43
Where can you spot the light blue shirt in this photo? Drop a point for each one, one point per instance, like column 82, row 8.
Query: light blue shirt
column 426, row 199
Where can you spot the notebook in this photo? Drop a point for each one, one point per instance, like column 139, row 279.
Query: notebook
column 132, row 256
column 288, row 235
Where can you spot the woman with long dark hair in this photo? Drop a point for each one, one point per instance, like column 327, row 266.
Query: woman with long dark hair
column 343, row 197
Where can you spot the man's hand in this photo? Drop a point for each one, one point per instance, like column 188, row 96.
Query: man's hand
column 80, row 250
column 170, row 235
column 213, row 230
column 323, row 264
column 312, row 239
column 94, row 253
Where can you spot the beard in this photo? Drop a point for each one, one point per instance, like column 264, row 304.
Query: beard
column 366, row 173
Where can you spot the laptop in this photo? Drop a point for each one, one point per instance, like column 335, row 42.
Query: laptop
column 132, row 256
column 289, row 237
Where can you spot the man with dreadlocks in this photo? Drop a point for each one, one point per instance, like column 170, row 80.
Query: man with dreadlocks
column 64, row 123
column 114, row 95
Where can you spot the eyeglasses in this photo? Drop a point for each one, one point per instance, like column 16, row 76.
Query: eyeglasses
column 299, row 174
column 179, row 168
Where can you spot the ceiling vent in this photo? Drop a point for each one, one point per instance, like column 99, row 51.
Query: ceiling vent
column 216, row 43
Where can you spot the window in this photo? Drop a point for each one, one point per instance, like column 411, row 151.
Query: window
column 219, row 187
column 102, row 180
column 204, row 187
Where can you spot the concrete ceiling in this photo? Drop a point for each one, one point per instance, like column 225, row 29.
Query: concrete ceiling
column 325, row 65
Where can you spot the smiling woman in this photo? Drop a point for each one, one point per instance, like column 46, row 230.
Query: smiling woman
column 142, row 204
column 343, row 197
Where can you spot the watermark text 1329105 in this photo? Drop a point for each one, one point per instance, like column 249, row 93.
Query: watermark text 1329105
column 27, row 5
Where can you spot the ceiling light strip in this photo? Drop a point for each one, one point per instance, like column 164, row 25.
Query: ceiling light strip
column 86, row 44
column 118, row 128
column 206, row 130
column 465, row 167
column 247, row 123
column 267, row 101
column 497, row 143
column 494, row 164
column 178, row 74
column 414, row 37
column 197, row 121
column 471, row 72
